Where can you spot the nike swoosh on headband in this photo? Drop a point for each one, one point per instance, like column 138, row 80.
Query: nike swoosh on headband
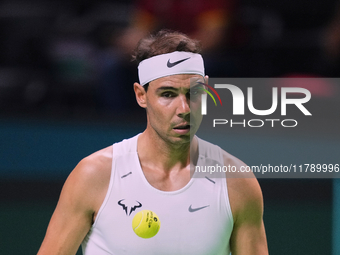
column 169, row 64
column 196, row 209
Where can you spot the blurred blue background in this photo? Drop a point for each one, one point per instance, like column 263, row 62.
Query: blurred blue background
column 66, row 91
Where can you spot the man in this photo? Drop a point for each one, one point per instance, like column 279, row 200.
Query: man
column 152, row 171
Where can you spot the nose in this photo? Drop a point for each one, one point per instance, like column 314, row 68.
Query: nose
column 183, row 108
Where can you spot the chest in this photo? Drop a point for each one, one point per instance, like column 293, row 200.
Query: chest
column 193, row 220
column 167, row 181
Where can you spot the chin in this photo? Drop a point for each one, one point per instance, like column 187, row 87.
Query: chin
column 180, row 140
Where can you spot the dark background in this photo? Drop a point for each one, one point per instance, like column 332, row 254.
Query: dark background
column 52, row 115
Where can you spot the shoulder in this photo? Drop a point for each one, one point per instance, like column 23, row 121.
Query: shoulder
column 95, row 167
column 80, row 199
column 244, row 191
column 88, row 182
column 243, row 188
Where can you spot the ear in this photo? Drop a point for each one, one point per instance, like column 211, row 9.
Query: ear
column 140, row 94
column 206, row 79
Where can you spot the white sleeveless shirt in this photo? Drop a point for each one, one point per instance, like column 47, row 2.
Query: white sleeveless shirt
column 195, row 220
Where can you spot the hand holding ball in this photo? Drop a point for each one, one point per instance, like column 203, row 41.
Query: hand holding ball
column 146, row 224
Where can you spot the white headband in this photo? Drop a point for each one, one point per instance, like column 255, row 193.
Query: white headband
column 177, row 62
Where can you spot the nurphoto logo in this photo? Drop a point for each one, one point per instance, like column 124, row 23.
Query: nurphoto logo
column 239, row 98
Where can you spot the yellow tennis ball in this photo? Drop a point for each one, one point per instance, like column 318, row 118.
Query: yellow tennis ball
column 146, row 224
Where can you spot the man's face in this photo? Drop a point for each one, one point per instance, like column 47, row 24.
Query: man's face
column 174, row 107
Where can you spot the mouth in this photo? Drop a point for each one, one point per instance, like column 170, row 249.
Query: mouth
column 182, row 129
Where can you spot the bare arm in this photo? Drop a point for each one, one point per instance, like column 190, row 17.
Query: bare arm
column 248, row 236
column 80, row 199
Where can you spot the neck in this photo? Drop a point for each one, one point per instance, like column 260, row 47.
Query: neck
column 156, row 152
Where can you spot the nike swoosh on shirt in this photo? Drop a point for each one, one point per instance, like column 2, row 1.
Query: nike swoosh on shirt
column 196, row 209
column 169, row 64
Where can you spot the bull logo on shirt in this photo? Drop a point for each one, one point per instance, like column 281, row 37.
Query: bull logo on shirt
column 132, row 206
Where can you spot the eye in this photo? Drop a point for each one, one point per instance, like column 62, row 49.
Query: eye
column 168, row 94
column 194, row 92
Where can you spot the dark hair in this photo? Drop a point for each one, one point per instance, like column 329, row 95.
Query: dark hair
column 146, row 86
column 165, row 41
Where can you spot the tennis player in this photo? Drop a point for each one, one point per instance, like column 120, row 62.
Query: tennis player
column 210, row 216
